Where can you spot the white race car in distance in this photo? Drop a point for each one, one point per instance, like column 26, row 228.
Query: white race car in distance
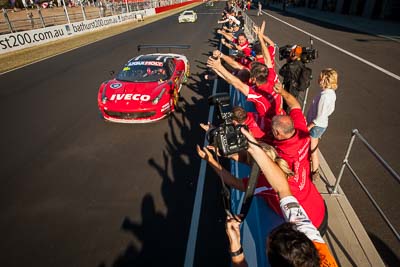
column 187, row 16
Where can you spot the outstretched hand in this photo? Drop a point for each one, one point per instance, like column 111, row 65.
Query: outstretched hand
column 253, row 144
column 256, row 29
column 205, row 154
column 214, row 63
column 232, row 228
column 278, row 88
column 216, row 54
column 206, row 127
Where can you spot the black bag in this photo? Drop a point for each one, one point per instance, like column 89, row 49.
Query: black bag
column 305, row 78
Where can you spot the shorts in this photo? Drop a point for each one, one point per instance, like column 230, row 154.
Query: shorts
column 317, row 132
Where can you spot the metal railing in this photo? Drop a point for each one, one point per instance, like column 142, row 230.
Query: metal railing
column 346, row 163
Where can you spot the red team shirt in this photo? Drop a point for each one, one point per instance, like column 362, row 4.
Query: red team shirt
column 296, row 152
column 254, row 128
column 267, row 90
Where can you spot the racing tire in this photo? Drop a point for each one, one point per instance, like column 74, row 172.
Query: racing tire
column 187, row 75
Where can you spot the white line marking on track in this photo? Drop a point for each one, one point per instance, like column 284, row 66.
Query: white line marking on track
column 194, row 224
column 397, row 77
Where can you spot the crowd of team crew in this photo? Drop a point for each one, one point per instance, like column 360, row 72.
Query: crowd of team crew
column 282, row 141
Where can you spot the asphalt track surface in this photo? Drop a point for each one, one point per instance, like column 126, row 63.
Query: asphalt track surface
column 76, row 191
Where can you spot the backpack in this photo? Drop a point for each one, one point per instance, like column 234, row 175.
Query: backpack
column 305, row 78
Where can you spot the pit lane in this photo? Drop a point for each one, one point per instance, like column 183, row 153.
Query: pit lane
column 78, row 192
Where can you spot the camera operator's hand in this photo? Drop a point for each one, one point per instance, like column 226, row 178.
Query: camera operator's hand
column 232, row 228
column 206, row 155
column 206, row 127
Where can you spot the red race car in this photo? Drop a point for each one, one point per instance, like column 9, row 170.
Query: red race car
column 145, row 90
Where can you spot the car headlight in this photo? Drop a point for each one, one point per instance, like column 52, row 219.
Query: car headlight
column 158, row 97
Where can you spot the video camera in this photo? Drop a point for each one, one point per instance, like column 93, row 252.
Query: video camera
column 227, row 137
column 308, row 54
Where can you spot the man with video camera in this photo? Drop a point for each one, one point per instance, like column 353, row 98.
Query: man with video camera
column 291, row 73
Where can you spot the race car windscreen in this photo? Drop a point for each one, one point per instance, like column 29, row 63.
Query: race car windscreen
column 143, row 71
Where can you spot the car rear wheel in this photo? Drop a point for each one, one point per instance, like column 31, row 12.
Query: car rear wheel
column 187, row 74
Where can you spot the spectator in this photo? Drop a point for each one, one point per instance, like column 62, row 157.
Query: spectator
column 259, row 8
column 240, row 44
column 263, row 76
column 12, row 4
column 292, row 142
column 291, row 74
column 241, row 116
column 259, row 75
column 295, row 243
column 270, row 45
column 231, row 35
column 228, row 7
column 240, row 18
column 323, row 105
column 24, row 4
column 264, row 189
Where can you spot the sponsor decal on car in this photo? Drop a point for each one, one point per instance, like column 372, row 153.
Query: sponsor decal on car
column 146, row 63
column 115, row 85
column 130, row 97
column 165, row 107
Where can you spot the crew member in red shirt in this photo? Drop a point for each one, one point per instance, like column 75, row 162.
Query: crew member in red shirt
column 292, row 142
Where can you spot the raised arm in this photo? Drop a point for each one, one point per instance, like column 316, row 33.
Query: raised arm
column 260, row 34
column 268, row 40
column 226, row 176
column 290, row 100
column 216, row 65
column 227, row 35
column 230, row 61
column 272, row 172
